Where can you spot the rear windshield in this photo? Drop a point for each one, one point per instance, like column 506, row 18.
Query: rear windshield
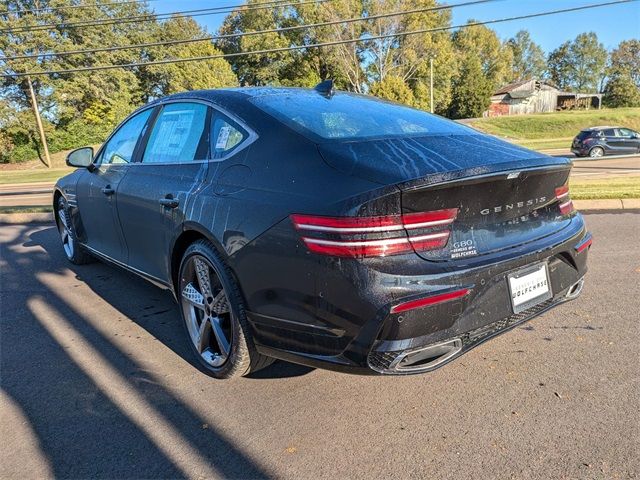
column 351, row 116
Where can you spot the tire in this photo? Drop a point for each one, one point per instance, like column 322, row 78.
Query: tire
column 74, row 252
column 213, row 315
column 596, row 152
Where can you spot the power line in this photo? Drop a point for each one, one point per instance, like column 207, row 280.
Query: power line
column 244, row 34
column 315, row 45
column 160, row 16
column 69, row 7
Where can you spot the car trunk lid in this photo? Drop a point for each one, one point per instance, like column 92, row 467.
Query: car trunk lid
column 495, row 211
column 505, row 195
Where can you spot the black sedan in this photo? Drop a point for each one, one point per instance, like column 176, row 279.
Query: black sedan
column 597, row 142
column 325, row 228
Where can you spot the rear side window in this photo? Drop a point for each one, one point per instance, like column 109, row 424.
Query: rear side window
column 585, row 134
column 179, row 135
column 609, row 132
column 226, row 136
column 351, row 116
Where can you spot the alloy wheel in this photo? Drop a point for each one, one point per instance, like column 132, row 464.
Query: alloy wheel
column 65, row 230
column 596, row 152
column 206, row 311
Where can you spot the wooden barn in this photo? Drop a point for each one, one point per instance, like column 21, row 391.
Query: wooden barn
column 537, row 96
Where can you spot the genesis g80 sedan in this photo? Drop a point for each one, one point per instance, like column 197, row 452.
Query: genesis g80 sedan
column 325, row 228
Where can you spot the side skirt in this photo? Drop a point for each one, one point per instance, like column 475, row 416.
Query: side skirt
column 149, row 278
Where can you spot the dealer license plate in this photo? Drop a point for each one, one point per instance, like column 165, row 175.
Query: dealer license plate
column 529, row 287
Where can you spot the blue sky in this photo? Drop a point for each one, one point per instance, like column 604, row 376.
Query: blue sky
column 612, row 23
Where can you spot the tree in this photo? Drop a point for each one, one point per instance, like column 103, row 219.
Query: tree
column 559, row 67
column 408, row 57
column 262, row 69
column 623, row 85
column 483, row 43
column 625, row 60
column 621, row 91
column 579, row 65
column 170, row 78
column 344, row 63
column 393, row 88
column 471, row 90
column 528, row 58
column 483, row 64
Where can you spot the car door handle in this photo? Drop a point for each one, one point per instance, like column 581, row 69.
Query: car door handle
column 108, row 190
column 169, row 202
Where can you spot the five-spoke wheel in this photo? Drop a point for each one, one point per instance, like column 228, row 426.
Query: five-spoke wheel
column 206, row 311
column 214, row 316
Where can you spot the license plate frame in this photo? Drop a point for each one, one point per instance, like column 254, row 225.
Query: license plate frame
column 517, row 282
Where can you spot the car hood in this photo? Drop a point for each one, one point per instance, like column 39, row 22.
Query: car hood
column 441, row 157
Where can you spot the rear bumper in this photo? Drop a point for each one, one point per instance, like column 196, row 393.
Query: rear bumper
column 580, row 152
column 429, row 357
column 373, row 340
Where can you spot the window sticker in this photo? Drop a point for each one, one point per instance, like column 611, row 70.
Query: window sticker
column 223, row 137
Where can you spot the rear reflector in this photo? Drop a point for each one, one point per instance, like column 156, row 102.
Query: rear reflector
column 335, row 235
column 565, row 204
column 428, row 301
column 584, row 244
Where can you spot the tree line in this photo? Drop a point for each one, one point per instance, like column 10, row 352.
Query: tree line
column 469, row 64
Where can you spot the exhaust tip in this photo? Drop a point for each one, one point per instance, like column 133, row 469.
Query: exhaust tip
column 575, row 289
column 426, row 358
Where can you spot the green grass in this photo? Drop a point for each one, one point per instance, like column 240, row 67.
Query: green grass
column 33, row 175
column 554, row 130
column 34, row 209
column 592, row 189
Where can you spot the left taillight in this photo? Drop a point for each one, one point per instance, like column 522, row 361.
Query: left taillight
column 564, row 202
column 375, row 236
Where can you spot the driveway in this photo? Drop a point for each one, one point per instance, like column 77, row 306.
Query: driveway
column 97, row 381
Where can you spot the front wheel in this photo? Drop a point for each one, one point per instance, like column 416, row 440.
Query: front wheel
column 72, row 249
column 596, row 152
column 214, row 315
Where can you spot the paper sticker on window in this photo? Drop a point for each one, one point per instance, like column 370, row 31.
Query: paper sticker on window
column 223, row 137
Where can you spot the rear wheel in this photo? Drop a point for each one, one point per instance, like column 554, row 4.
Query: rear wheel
column 596, row 152
column 214, row 315
column 72, row 249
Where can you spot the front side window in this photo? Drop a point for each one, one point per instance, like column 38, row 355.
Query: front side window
column 226, row 135
column 119, row 149
column 179, row 135
column 625, row 132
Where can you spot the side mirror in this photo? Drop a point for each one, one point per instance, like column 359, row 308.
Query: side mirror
column 80, row 157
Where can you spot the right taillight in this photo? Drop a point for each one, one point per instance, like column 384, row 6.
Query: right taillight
column 564, row 202
column 375, row 236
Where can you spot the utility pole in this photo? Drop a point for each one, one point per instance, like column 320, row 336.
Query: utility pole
column 431, row 88
column 36, row 112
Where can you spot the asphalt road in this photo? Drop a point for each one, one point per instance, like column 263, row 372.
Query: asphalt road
column 97, row 381
column 607, row 167
column 36, row 194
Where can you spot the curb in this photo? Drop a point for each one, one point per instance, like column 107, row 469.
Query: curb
column 608, row 204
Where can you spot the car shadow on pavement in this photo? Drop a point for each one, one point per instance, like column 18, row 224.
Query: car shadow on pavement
column 87, row 425
column 150, row 307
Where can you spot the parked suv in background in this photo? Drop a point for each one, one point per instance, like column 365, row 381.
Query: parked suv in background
column 599, row 141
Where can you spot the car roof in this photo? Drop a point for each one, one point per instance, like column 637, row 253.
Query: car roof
column 602, row 127
column 246, row 92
